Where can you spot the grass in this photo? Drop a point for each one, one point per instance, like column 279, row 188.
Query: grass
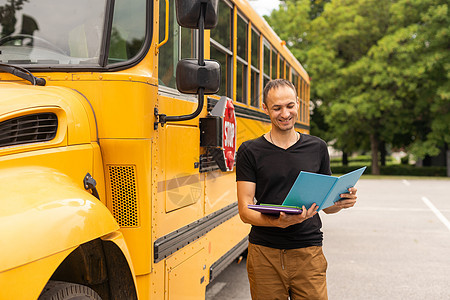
column 403, row 177
column 392, row 169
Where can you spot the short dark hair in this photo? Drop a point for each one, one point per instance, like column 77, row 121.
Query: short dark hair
column 276, row 83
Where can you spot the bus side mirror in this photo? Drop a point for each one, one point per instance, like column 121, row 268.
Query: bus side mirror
column 188, row 13
column 195, row 76
column 191, row 76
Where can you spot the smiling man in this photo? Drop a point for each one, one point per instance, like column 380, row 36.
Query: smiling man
column 285, row 257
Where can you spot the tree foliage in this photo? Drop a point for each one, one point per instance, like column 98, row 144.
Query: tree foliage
column 379, row 70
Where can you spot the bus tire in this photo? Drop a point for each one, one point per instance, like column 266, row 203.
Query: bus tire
column 59, row 290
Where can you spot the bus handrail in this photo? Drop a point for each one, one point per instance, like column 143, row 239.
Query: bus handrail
column 166, row 28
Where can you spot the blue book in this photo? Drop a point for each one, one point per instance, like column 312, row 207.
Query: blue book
column 309, row 188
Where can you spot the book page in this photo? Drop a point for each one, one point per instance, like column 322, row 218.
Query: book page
column 309, row 188
column 342, row 185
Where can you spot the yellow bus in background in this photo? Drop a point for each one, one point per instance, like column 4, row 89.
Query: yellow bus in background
column 114, row 183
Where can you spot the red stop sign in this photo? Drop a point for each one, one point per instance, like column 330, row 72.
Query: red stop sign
column 229, row 135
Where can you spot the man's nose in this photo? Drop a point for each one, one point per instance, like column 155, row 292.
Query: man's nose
column 285, row 113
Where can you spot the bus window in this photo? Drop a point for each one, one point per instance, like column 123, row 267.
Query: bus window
column 307, row 103
column 295, row 81
column 274, row 73
column 223, row 33
column 302, row 98
column 254, row 69
column 282, row 69
column 266, row 60
column 288, row 71
column 52, row 32
column 128, row 30
column 255, row 49
column 241, row 57
column 221, row 47
column 254, row 88
column 187, row 43
column 179, row 45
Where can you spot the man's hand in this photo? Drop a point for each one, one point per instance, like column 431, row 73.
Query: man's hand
column 347, row 200
column 285, row 220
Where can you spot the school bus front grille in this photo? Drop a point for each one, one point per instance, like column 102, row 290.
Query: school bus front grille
column 124, row 198
column 28, row 129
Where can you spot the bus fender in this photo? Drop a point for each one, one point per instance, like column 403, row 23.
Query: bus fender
column 45, row 212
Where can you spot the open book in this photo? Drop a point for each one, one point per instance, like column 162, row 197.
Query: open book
column 311, row 188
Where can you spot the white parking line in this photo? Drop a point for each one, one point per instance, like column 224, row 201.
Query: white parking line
column 436, row 212
column 386, row 209
column 406, row 182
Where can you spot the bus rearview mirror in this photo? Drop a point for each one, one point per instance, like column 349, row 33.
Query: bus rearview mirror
column 188, row 13
column 191, row 76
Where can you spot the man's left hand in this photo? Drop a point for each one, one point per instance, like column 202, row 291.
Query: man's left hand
column 347, row 200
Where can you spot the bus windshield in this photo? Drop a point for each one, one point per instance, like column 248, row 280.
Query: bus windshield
column 69, row 33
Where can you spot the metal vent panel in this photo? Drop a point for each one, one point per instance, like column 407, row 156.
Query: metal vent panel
column 35, row 128
column 125, row 207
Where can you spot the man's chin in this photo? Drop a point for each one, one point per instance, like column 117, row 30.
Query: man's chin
column 286, row 127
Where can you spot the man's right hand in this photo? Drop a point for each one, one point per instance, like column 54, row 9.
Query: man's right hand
column 285, row 220
column 246, row 194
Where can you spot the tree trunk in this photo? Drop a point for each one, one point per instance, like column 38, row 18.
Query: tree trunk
column 344, row 158
column 383, row 153
column 375, row 145
column 448, row 163
column 447, row 148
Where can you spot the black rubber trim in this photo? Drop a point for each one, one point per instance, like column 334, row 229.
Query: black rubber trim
column 107, row 27
column 223, row 262
column 174, row 241
column 248, row 113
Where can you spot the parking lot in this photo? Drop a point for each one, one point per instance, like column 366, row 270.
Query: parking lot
column 395, row 244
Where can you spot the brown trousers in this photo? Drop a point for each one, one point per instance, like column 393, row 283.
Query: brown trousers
column 279, row 274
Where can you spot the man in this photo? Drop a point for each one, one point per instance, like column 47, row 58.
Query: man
column 285, row 257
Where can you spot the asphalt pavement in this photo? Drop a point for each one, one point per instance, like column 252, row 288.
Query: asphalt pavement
column 394, row 244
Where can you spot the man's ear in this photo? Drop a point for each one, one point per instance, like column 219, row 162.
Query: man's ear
column 264, row 106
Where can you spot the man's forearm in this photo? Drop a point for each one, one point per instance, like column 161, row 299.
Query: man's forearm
column 332, row 209
column 255, row 218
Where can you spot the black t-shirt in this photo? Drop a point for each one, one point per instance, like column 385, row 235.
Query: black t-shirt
column 274, row 171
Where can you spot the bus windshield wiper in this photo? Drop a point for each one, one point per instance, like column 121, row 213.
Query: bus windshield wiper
column 22, row 73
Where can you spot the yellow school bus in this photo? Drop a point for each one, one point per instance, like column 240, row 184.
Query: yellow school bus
column 119, row 122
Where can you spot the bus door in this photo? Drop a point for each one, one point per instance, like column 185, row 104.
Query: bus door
column 180, row 184
column 184, row 79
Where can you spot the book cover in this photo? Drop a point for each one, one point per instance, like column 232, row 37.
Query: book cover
column 271, row 209
column 311, row 188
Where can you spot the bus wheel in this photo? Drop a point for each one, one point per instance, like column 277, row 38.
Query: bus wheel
column 59, row 290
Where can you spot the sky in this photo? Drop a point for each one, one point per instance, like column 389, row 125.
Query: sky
column 264, row 7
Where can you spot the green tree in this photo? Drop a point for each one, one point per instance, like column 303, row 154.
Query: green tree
column 342, row 36
column 291, row 22
column 379, row 68
column 8, row 16
column 413, row 62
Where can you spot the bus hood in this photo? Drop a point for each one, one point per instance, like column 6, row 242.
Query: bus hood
column 74, row 112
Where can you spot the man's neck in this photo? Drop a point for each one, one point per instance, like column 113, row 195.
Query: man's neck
column 283, row 139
